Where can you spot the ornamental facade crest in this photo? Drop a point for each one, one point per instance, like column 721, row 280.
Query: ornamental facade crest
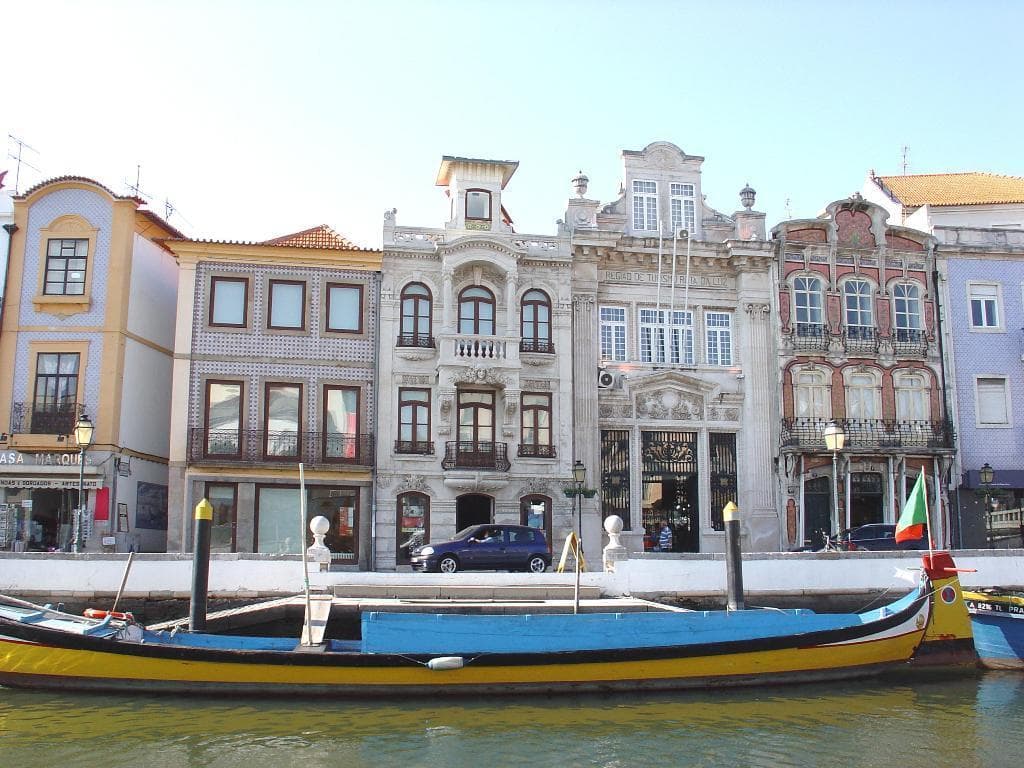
column 669, row 403
column 477, row 374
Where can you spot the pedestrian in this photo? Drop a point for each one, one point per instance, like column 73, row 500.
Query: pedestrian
column 664, row 537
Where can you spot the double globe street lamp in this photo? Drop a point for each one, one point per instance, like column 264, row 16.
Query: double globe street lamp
column 835, row 439
column 83, row 436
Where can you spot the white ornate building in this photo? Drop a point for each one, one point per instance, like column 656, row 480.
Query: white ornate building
column 675, row 404
column 475, row 409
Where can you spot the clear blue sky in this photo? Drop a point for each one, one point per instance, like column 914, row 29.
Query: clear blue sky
column 261, row 118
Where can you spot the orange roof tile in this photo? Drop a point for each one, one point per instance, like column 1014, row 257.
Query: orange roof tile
column 972, row 188
column 315, row 237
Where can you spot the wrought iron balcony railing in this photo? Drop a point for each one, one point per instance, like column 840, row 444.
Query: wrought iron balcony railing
column 471, row 454
column 537, row 345
column 415, row 340
column 810, row 337
column 877, row 434
column 421, row 447
column 859, row 338
column 910, row 342
column 537, row 451
column 51, row 419
column 257, row 446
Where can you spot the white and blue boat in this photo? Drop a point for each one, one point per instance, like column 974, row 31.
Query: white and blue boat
column 997, row 619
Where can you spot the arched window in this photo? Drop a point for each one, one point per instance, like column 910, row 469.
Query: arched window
column 476, row 311
column 412, row 515
column 478, row 204
column 907, row 311
column 536, row 322
column 807, row 296
column 859, row 317
column 811, row 394
column 863, row 396
column 416, row 317
column 912, row 397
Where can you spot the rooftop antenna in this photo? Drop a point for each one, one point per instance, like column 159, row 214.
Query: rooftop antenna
column 906, row 161
column 789, row 209
column 168, row 209
column 134, row 188
column 19, row 160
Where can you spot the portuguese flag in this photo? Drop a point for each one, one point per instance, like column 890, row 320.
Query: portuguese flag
column 912, row 521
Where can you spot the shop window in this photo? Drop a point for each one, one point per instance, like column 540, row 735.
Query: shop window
column 223, row 497
column 413, row 514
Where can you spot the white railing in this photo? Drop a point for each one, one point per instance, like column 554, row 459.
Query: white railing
column 471, row 348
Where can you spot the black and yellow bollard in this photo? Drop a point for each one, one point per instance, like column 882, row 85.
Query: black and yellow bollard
column 200, row 566
column 733, row 557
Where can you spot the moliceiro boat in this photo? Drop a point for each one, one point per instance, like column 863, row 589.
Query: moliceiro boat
column 429, row 654
column 997, row 619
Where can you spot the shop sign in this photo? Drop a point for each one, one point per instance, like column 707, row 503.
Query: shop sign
column 70, row 459
column 48, row 481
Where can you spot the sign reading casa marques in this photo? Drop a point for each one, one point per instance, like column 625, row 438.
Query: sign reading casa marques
column 651, row 278
column 41, row 459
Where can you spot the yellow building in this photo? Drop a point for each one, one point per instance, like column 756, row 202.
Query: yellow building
column 86, row 330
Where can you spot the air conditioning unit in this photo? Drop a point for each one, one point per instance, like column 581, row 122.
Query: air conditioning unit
column 605, row 378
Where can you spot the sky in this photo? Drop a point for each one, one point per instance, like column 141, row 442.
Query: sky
column 257, row 118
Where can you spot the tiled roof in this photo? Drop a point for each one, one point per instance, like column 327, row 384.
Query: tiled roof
column 87, row 180
column 315, row 237
column 972, row 188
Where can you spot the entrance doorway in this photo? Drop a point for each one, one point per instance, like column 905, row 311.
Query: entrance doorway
column 472, row 509
column 817, row 505
column 866, row 498
column 670, row 487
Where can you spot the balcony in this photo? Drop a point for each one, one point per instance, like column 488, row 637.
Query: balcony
column 869, row 434
column 249, row 447
column 543, row 346
column 415, row 340
column 810, row 337
column 417, row 447
column 469, row 454
column 910, row 342
column 471, row 349
column 860, row 339
column 55, row 419
column 537, row 451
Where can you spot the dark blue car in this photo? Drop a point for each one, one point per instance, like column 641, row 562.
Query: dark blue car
column 486, row 547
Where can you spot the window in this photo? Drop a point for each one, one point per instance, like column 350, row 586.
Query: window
column 811, row 394
column 862, row 396
column 478, row 204
column 536, row 322
column 984, row 298
column 664, row 343
column 682, row 205
column 414, row 421
column 476, row 311
column 281, row 409
column 341, row 423
column 535, row 512
column 912, row 397
column 859, row 318
column 229, row 301
column 807, row 297
column 476, row 417
column 286, row 308
column 341, row 507
column 993, row 409
column 613, row 333
column 276, row 525
column 344, row 308
column 412, row 513
column 536, row 426
column 223, row 418
column 55, row 404
column 907, row 301
column 718, row 332
column 645, row 205
column 65, row 267
column 224, row 499
column 416, row 317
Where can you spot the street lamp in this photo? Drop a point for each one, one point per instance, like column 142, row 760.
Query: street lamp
column 83, row 436
column 835, row 439
column 579, row 475
column 987, row 475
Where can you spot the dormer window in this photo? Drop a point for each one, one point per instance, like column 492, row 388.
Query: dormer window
column 645, row 205
column 478, row 205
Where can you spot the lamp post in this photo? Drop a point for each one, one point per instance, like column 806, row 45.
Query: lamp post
column 835, row 439
column 987, row 475
column 579, row 475
column 83, row 436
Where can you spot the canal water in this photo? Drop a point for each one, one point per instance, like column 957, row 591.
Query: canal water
column 962, row 718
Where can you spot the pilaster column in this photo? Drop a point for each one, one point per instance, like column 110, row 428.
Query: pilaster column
column 758, row 449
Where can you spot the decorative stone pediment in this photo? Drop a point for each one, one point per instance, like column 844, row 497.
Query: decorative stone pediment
column 489, row 244
column 405, row 483
column 670, row 395
column 477, row 374
column 475, row 483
